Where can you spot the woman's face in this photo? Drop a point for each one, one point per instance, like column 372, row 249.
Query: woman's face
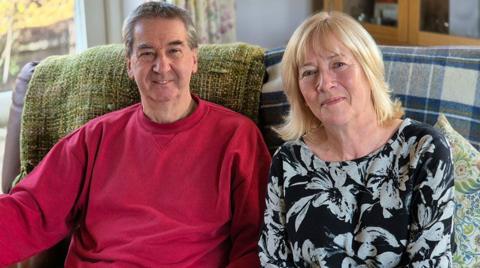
column 334, row 85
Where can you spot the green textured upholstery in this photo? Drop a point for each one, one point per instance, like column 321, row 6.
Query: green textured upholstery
column 67, row 91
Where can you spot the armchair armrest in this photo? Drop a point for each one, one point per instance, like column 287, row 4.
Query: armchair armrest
column 11, row 160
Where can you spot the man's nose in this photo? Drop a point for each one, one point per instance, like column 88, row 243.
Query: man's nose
column 161, row 64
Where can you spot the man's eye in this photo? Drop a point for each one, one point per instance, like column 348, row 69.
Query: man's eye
column 146, row 55
column 175, row 52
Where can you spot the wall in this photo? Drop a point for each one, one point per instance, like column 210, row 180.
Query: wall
column 267, row 23
column 270, row 23
column 100, row 21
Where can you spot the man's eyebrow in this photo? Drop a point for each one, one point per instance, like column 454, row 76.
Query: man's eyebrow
column 172, row 43
column 144, row 46
column 176, row 43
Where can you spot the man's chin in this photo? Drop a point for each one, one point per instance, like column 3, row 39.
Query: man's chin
column 162, row 96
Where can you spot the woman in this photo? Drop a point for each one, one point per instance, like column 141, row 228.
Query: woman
column 354, row 185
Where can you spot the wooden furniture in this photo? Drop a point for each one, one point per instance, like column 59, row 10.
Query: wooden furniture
column 412, row 21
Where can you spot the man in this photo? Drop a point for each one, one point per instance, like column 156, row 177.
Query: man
column 173, row 181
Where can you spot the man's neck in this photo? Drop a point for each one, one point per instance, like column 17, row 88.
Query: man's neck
column 170, row 111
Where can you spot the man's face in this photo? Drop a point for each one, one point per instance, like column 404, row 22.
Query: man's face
column 161, row 62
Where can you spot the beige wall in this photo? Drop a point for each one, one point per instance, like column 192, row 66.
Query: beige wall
column 270, row 23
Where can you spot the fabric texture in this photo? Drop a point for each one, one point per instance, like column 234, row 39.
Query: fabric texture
column 214, row 20
column 67, row 91
column 391, row 208
column 428, row 81
column 136, row 193
column 466, row 160
column 273, row 101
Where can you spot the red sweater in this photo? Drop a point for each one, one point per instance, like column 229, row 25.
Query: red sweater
column 140, row 194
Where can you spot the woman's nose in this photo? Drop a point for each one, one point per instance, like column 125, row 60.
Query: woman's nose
column 325, row 81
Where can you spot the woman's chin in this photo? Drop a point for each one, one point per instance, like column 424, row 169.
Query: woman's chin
column 336, row 121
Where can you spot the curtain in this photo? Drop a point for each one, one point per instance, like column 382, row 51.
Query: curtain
column 214, row 19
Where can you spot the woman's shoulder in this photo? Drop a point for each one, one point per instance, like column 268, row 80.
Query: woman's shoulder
column 421, row 135
column 289, row 146
column 412, row 127
column 288, row 149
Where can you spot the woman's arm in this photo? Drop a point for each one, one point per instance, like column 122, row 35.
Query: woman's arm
column 432, row 205
column 274, row 250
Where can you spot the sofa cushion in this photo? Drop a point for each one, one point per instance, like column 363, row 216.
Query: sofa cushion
column 428, row 81
column 67, row 91
column 466, row 161
column 273, row 102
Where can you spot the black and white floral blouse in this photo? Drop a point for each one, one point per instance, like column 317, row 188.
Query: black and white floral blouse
column 391, row 208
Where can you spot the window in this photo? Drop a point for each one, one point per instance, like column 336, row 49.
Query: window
column 30, row 30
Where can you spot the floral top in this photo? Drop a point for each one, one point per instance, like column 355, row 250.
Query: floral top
column 393, row 207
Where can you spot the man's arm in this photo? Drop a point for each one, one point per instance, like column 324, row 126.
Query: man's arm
column 38, row 212
column 251, row 162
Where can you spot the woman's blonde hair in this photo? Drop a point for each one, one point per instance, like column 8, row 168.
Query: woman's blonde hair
column 317, row 30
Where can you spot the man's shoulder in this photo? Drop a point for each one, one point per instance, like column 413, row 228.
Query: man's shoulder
column 117, row 118
column 218, row 111
column 116, row 115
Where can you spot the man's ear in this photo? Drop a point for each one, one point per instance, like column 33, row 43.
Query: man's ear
column 129, row 67
column 195, row 60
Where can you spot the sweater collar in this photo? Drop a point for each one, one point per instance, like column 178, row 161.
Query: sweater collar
column 177, row 126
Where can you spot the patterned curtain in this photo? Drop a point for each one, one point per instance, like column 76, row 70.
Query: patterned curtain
column 214, row 19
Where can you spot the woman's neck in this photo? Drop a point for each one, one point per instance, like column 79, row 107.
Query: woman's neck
column 349, row 142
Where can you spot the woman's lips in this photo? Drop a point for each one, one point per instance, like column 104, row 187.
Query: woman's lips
column 332, row 101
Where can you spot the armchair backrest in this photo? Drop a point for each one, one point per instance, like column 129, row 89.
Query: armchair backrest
column 67, row 91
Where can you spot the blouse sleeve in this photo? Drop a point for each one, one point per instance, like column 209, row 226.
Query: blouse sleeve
column 274, row 250
column 432, row 205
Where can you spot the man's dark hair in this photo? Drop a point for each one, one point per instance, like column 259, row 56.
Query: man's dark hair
column 155, row 9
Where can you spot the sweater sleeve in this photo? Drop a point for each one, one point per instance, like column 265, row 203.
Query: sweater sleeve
column 274, row 250
column 39, row 210
column 249, row 172
column 432, row 206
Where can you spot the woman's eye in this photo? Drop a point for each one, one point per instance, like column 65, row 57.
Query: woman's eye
column 338, row 64
column 307, row 73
